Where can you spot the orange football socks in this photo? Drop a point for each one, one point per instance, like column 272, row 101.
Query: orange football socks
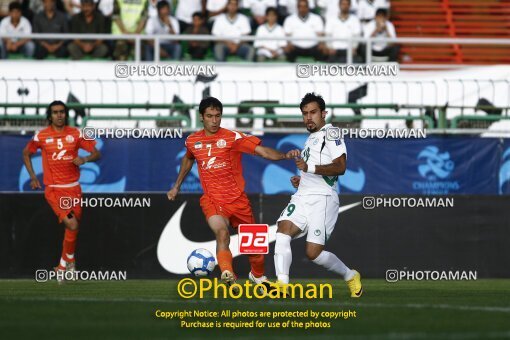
column 70, row 237
column 257, row 264
column 225, row 260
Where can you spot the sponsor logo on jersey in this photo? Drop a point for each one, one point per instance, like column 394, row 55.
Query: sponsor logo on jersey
column 49, row 140
column 60, row 156
column 69, row 139
column 212, row 165
column 198, row 145
column 210, row 162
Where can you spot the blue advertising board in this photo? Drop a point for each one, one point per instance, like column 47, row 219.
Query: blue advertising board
column 437, row 165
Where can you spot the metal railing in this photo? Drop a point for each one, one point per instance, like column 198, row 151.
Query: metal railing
column 139, row 92
column 407, row 97
column 427, row 116
column 139, row 38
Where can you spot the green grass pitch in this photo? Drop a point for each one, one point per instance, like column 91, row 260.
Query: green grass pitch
column 126, row 310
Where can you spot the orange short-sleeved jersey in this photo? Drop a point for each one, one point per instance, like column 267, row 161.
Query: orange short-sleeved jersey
column 58, row 149
column 219, row 161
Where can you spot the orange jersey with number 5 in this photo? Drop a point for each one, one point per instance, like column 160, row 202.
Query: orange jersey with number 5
column 58, row 149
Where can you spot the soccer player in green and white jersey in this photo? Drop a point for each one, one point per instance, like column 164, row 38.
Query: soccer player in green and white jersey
column 313, row 209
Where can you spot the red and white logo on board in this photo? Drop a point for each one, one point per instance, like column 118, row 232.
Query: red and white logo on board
column 253, row 238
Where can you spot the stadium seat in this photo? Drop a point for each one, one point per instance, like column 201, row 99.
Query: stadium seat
column 450, row 19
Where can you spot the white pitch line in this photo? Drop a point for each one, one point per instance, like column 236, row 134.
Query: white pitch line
column 500, row 309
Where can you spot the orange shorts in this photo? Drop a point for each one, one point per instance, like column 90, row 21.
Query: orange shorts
column 63, row 201
column 237, row 212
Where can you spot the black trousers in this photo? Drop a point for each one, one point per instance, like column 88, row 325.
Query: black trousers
column 197, row 52
column 391, row 52
column 304, row 52
column 42, row 53
column 340, row 57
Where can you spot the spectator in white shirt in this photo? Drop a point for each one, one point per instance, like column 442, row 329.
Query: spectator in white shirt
column 215, row 8
column 72, row 7
column 152, row 8
column 15, row 23
column 343, row 26
column 330, row 8
column 185, row 10
column 367, row 9
column 235, row 24
column 290, row 7
column 270, row 49
column 106, row 7
column 304, row 24
column 381, row 27
column 258, row 10
column 163, row 23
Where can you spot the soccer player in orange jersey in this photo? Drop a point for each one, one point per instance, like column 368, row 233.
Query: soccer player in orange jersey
column 59, row 144
column 218, row 154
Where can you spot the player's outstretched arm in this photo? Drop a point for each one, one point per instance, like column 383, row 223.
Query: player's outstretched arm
column 27, row 159
column 186, row 165
column 275, row 155
column 94, row 156
column 336, row 168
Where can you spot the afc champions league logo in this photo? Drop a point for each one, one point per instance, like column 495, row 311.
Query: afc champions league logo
column 435, row 167
column 504, row 173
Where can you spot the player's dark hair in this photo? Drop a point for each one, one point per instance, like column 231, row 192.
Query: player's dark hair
column 54, row 103
column 15, row 5
column 198, row 14
column 210, row 102
column 381, row 11
column 162, row 4
column 307, row 4
column 350, row 2
column 310, row 98
column 272, row 10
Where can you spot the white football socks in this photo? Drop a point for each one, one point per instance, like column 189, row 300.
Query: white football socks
column 331, row 262
column 282, row 257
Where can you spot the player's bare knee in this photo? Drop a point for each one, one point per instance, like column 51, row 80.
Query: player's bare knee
column 71, row 224
column 287, row 228
column 223, row 236
column 313, row 252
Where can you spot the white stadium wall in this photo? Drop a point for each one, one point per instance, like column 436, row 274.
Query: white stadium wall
column 95, row 82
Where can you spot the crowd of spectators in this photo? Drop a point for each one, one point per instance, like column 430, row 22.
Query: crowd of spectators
column 341, row 19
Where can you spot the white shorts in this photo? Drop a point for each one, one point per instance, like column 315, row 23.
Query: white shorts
column 313, row 214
